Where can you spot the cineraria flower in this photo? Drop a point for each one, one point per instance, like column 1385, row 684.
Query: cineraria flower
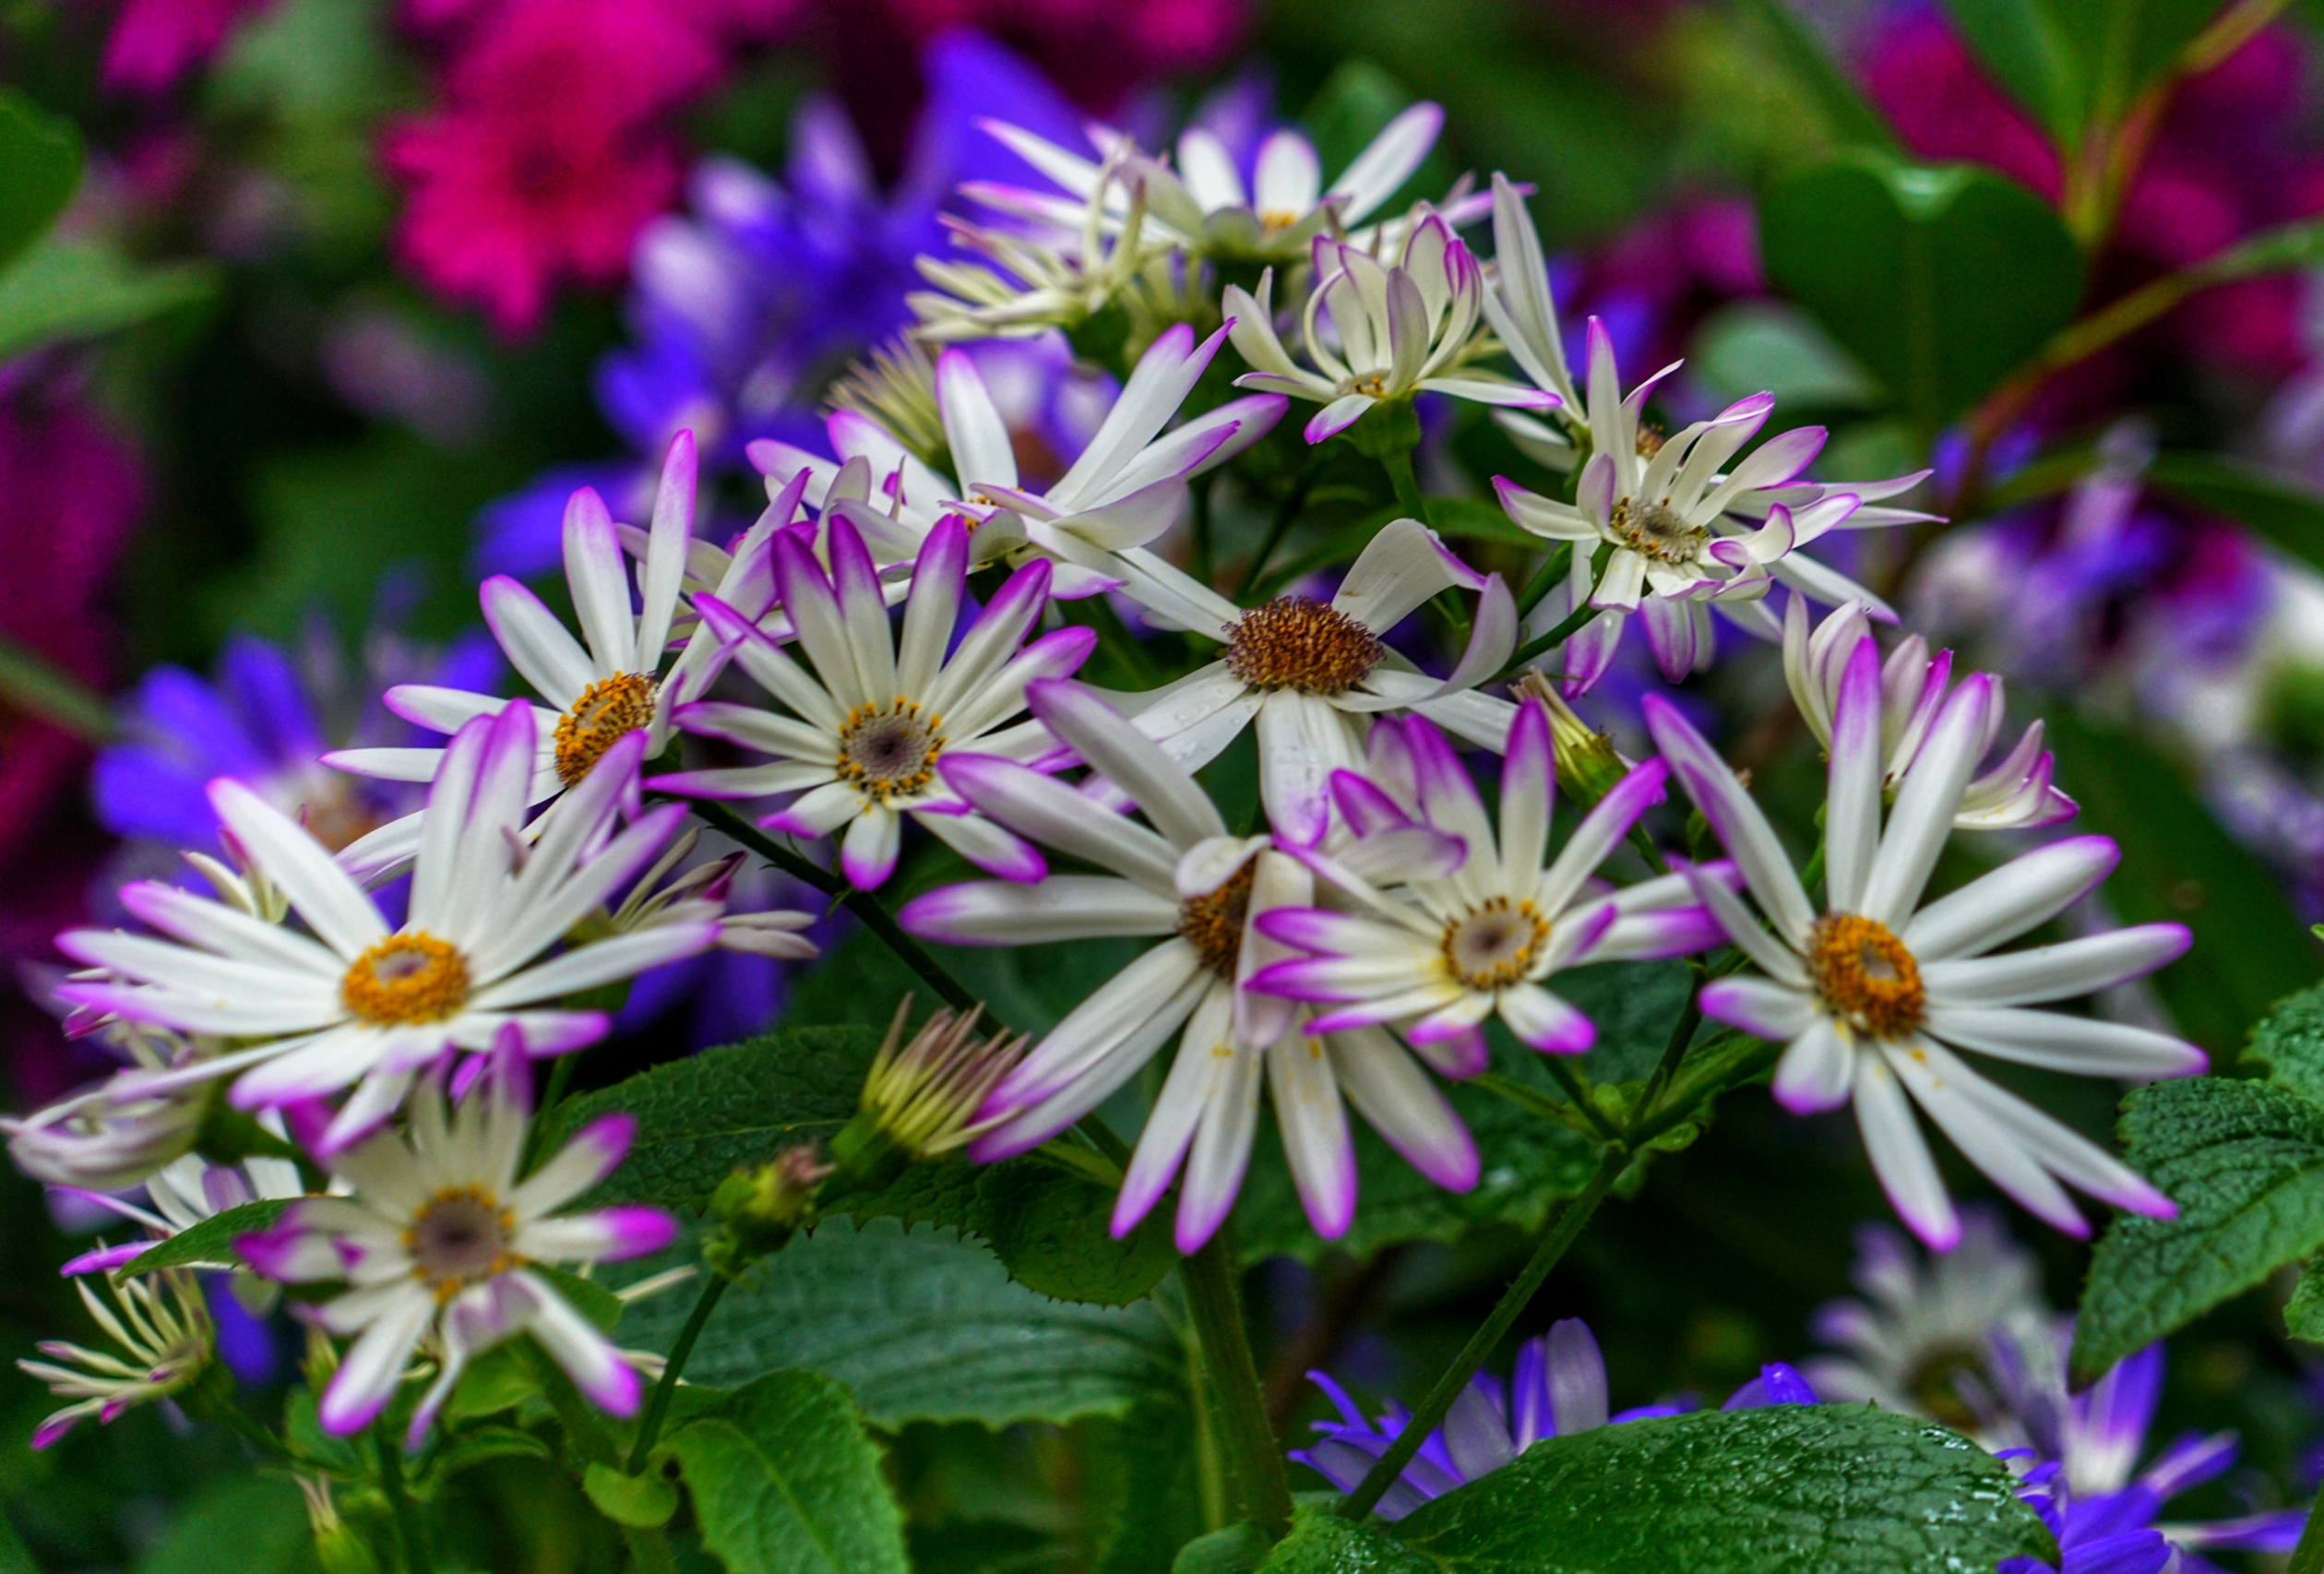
column 1305, row 671
column 1917, row 1342
column 2084, row 1448
column 698, row 895
column 1396, row 329
column 113, row 1135
column 605, row 686
column 1189, row 880
column 437, row 1239
column 1871, row 994
column 1203, row 207
column 1440, row 949
column 923, row 1096
column 361, row 1004
column 163, row 1340
column 866, row 732
column 182, row 1193
column 1557, row 1390
column 1127, row 488
column 2016, row 794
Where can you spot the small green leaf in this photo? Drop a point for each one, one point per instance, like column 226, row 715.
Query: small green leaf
column 643, row 1502
column 2073, row 61
column 2245, row 1164
column 2179, row 866
column 40, row 167
column 1322, row 1542
column 212, row 1240
column 921, row 1325
column 1766, row 346
column 2304, row 1313
column 1053, row 1232
column 1787, row 1489
column 1235, row 1549
column 1940, row 280
column 592, row 1300
column 75, row 288
column 785, row 1481
column 2290, row 1044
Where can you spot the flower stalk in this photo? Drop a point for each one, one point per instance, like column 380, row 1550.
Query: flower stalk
column 1243, row 1433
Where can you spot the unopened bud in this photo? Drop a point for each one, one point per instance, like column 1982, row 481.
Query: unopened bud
column 337, row 1547
column 1589, row 766
column 922, row 1097
column 757, row 1211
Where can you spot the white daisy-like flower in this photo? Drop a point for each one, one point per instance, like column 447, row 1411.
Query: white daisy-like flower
column 866, row 733
column 1309, row 672
column 2016, row 794
column 181, row 1195
column 1873, row 996
column 162, row 1339
column 1190, row 884
column 1127, row 486
column 600, row 688
column 116, row 1134
column 1436, row 950
column 437, row 1240
column 359, row 1002
column 1204, row 207
column 1377, row 332
column 1918, row 1341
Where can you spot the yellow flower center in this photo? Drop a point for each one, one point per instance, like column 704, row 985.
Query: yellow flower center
column 609, row 710
column 1372, row 384
column 1657, row 530
column 410, row 977
column 1293, row 643
column 1492, row 944
column 1865, row 975
column 890, row 750
column 1213, row 923
column 459, row 1235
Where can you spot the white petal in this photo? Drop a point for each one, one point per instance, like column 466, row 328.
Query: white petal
column 326, row 896
column 1922, row 817
column 1996, row 908
column 2054, row 972
column 2083, row 1045
column 1900, row 1155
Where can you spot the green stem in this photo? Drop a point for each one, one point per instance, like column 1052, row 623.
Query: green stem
column 1398, row 462
column 1555, row 566
column 412, row 1531
column 658, row 1403
column 863, row 904
column 1514, row 1300
column 1675, row 1048
column 1571, row 625
column 1561, row 1070
column 1253, row 1455
column 1286, row 512
column 650, row 1550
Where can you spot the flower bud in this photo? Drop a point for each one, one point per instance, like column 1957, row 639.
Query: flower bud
column 1589, row 766
column 757, row 1211
column 921, row 1098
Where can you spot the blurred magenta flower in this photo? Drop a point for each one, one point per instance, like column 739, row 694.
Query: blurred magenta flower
column 154, row 42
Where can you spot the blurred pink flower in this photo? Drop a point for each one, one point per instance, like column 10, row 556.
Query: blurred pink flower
column 154, row 42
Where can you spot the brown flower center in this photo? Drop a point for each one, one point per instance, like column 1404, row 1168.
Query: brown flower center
column 1213, row 923
column 1293, row 643
column 1492, row 944
column 1865, row 976
column 890, row 750
column 1649, row 441
column 410, row 977
column 609, row 710
column 459, row 1235
column 1657, row 530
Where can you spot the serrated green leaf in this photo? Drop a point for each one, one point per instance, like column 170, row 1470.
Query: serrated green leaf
column 2289, row 1043
column 2245, row 1164
column 921, row 1325
column 67, row 289
column 212, row 1240
column 40, row 167
column 1054, row 1233
column 785, row 1481
column 2179, row 866
column 1526, row 1164
column 2304, row 1313
column 1939, row 279
column 701, row 1119
column 1787, row 1489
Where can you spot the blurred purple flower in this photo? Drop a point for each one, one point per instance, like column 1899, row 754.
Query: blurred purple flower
column 1557, row 1389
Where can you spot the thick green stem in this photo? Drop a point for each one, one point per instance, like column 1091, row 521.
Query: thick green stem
column 1555, row 566
column 1514, row 1300
column 412, row 1531
column 1240, row 1404
column 1570, row 626
column 657, row 1402
column 1398, row 462
column 863, row 904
